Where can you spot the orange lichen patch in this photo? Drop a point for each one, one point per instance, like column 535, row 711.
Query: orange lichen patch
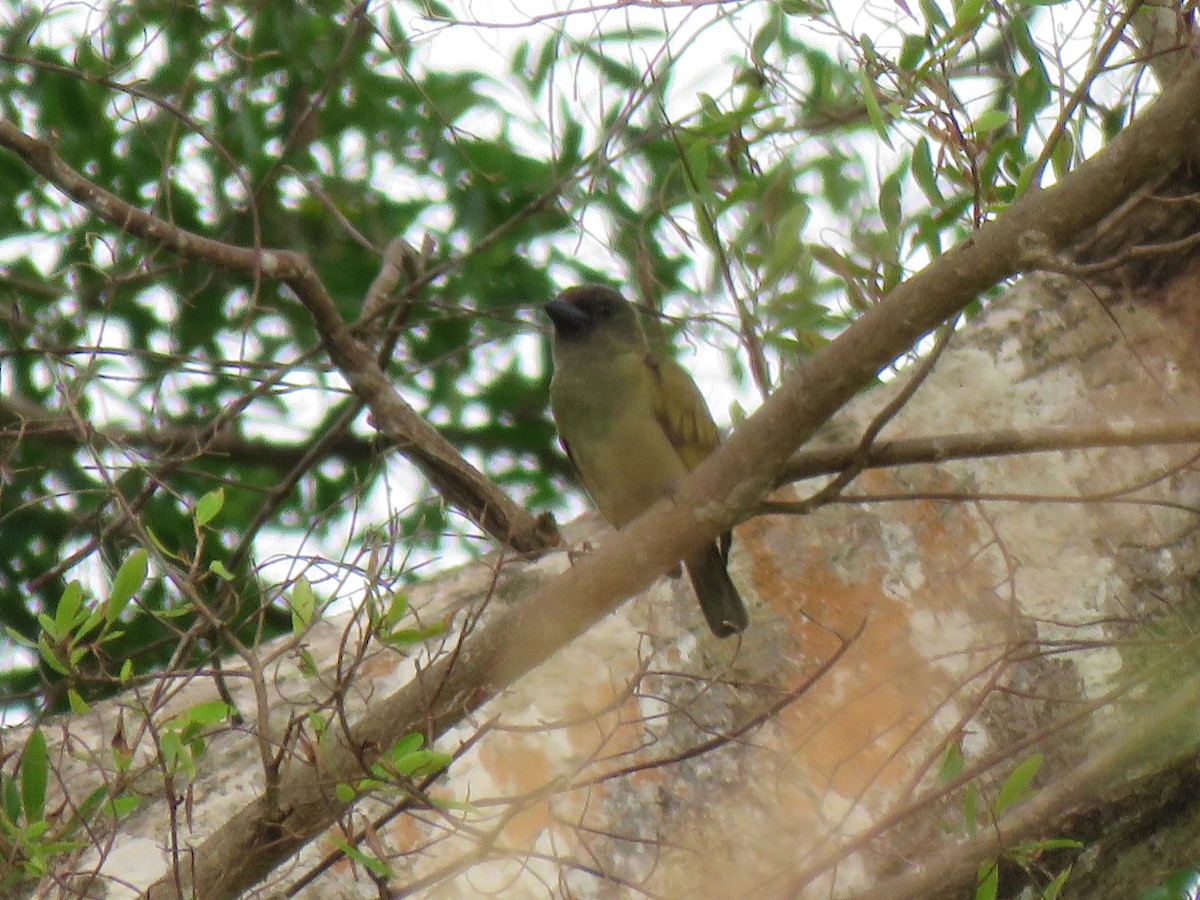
column 520, row 765
column 848, row 732
column 604, row 716
column 590, row 728
column 866, row 726
column 594, row 719
column 405, row 835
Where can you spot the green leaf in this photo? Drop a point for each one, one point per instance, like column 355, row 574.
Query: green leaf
column 623, row 76
column 68, row 605
column 408, row 636
column 122, row 759
column 92, row 802
column 121, row 806
column 209, row 505
column 987, row 883
column 302, row 602
column 788, row 249
column 35, row 775
column 11, row 795
column 451, row 803
column 422, row 762
column 397, row 607
column 519, row 59
column 128, row 581
column 218, row 568
column 377, row 866
column 968, row 16
column 934, row 19
column 911, row 51
column 1016, row 786
column 1054, row 888
column 923, row 172
column 1063, row 154
column 162, row 548
column 1033, row 93
column 345, row 793
column 34, row 830
column 545, row 60
column 1025, row 179
column 889, row 201
column 990, row 120
column 767, row 35
column 50, row 656
column 204, row 714
column 79, row 706
column 874, row 113
column 971, row 810
column 308, row 663
column 712, row 111
column 410, row 743
column 704, row 224
column 171, row 748
column 953, row 762
column 50, row 628
column 17, row 638
column 696, row 158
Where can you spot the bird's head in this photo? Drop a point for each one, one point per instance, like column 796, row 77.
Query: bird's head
column 595, row 314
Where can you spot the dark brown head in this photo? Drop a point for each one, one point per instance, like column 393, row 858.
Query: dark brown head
column 592, row 312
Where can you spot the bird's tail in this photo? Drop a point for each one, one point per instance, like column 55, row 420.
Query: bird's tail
column 722, row 605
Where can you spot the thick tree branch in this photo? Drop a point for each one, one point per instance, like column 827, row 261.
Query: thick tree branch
column 457, row 480
column 716, row 495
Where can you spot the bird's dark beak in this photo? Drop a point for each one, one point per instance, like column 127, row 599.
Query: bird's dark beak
column 569, row 320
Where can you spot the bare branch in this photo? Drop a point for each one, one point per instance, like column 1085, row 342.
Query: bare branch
column 811, row 462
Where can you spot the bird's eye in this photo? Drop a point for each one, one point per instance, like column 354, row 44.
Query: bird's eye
column 607, row 310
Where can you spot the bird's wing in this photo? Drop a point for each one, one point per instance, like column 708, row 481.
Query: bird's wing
column 681, row 411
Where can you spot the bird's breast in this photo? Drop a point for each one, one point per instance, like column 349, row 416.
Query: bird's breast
column 607, row 418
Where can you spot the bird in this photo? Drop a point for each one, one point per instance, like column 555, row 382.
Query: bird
column 633, row 422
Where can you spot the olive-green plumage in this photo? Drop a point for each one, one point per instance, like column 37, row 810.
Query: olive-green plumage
column 633, row 423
